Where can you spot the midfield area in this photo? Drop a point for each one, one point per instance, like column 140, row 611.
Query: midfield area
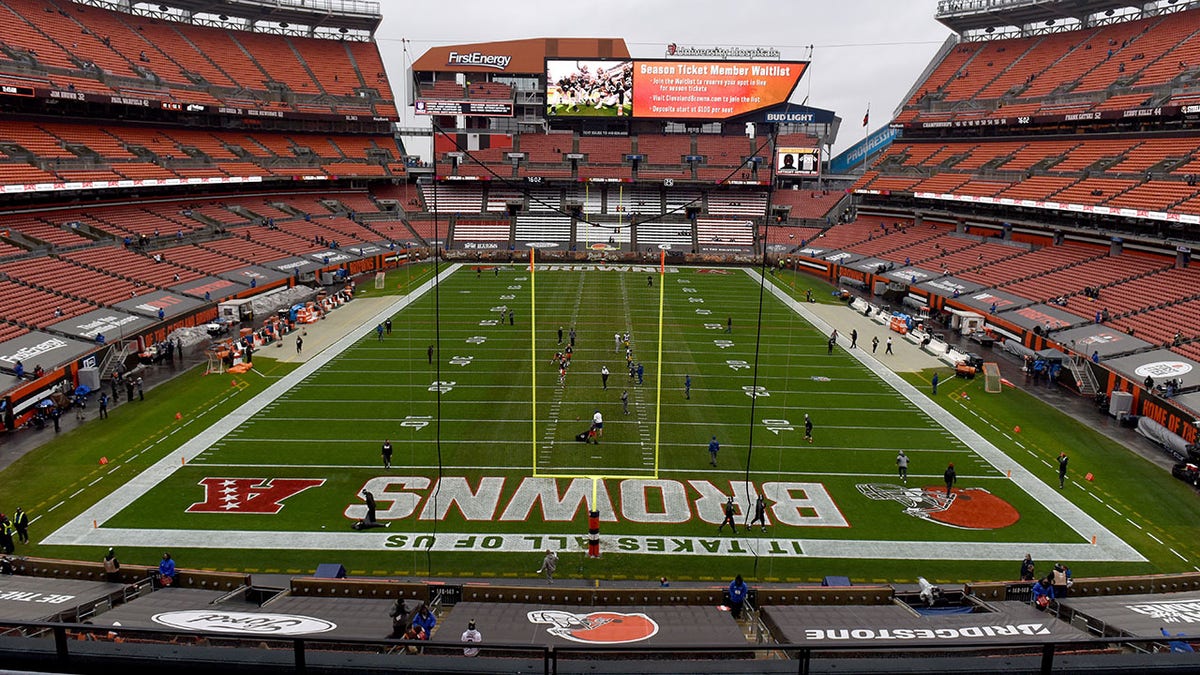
column 474, row 466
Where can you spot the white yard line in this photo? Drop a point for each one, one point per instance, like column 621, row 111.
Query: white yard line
column 80, row 531
column 1113, row 547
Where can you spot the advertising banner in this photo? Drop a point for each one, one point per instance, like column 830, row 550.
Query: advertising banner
column 667, row 89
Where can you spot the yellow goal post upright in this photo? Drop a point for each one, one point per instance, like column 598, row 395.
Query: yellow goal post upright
column 991, row 378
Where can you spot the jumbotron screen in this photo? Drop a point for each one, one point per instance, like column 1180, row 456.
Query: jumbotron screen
column 601, row 88
column 665, row 89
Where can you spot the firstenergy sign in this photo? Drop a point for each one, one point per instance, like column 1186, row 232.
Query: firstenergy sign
column 497, row 61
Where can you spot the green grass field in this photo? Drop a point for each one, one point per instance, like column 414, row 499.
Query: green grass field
column 487, row 471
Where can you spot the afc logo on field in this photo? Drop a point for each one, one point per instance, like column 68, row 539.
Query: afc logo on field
column 250, row 495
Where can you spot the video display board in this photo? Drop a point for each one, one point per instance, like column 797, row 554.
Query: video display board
column 667, row 89
column 600, row 88
column 425, row 106
column 711, row 89
column 801, row 162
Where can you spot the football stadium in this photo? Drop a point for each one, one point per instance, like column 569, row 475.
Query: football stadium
column 573, row 354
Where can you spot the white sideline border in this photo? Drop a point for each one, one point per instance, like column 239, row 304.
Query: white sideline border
column 1110, row 546
column 79, row 531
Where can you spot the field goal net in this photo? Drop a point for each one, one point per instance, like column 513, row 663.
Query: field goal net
column 991, row 378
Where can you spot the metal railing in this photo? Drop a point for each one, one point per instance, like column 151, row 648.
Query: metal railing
column 71, row 649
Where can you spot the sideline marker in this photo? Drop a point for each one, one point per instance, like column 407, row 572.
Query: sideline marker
column 93, row 524
column 182, row 460
column 1016, row 430
column 1093, row 540
column 178, row 416
column 103, row 461
column 1010, row 473
column 1089, row 477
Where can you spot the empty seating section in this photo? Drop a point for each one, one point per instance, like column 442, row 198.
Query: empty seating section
column 946, row 70
column 545, row 199
column 590, row 171
column 482, row 230
column 775, row 234
column 982, row 188
column 749, row 204
column 431, row 230
column 1092, row 191
column 330, row 62
column 1148, row 153
column 1035, row 262
column 978, row 256
column 677, row 235
column 491, row 91
column 180, row 62
column 8, row 250
column 664, row 149
column 280, row 64
column 602, row 233
column 446, row 198
column 1113, row 67
column 246, row 249
column 35, row 307
column 942, row 183
column 124, row 220
column 370, row 63
column 600, row 150
column 1127, row 172
column 130, row 265
column 724, row 151
column 444, row 89
column 19, row 35
column 1156, row 195
column 591, row 198
column 87, row 152
column 988, row 64
column 545, row 148
column 337, row 228
column 59, row 276
column 711, row 231
column 1158, row 326
column 929, row 253
column 43, row 230
column 894, row 239
column 171, row 44
column 1030, row 64
column 1140, row 293
column 355, row 202
column 498, row 199
column 198, row 258
column 1037, row 188
column 1075, row 278
column 542, row 227
column 219, row 213
column 678, row 200
column 638, row 199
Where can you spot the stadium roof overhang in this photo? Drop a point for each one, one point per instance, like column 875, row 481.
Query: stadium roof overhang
column 349, row 14
column 516, row 57
column 962, row 16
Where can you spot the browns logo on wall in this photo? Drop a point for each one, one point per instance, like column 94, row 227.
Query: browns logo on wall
column 600, row 628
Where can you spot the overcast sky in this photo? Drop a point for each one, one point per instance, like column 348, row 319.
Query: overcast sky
column 864, row 51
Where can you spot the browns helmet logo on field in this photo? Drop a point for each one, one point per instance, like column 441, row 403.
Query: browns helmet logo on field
column 965, row 508
column 600, row 628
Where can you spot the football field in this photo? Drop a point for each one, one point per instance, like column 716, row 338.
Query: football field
column 488, row 463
